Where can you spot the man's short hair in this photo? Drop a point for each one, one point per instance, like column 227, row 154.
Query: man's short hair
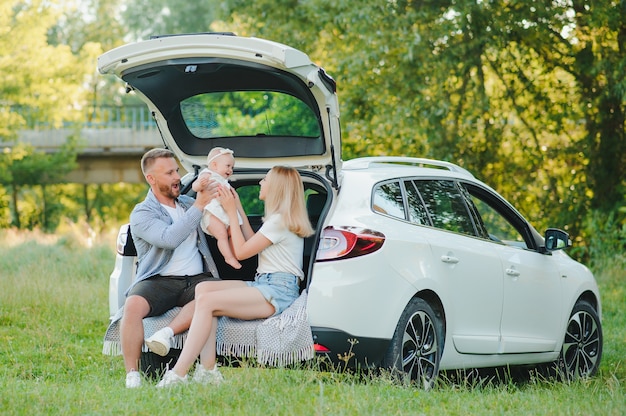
column 151, row 155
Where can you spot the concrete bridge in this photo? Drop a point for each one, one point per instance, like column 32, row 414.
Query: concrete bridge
column 110, row 150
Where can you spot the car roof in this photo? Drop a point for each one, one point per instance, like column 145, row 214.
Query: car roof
column 201, row 72
column 403, row 166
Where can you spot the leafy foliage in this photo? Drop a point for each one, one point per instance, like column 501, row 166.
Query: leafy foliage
column 161, row 17
column 27, row 167
column 529, row 97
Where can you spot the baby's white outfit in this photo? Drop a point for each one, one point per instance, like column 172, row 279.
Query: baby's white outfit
column 214, row 207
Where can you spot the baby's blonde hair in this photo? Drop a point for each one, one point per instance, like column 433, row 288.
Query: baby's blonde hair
column 217, row 152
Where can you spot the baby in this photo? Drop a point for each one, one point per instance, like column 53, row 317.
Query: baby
column 220, row 164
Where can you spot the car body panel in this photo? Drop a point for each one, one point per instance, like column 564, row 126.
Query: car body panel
column 494, row 316
column 472, row 296
column 532, row 283
column 353, row 278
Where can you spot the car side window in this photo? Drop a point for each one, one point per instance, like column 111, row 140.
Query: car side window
column 387, row 199
column 498, row 227
column 446, row 206
column 415, row 205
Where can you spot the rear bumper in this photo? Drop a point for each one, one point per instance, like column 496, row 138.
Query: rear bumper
column 119, row 280
column 357, row 352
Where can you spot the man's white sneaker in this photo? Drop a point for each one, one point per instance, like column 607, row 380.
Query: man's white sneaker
column 204, row 376
column 159, row 342
column 133, row 380
column 170, row 378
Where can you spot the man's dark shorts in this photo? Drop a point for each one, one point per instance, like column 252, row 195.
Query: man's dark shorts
column 165, row 292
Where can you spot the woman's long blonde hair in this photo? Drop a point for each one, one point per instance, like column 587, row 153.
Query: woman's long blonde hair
column 285, row 196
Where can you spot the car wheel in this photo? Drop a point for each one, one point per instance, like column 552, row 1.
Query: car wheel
column 582, row 345
column 153, row 366
column 417, row 344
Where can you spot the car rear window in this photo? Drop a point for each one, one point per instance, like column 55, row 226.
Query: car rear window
column 387, row 199
column 248, row 114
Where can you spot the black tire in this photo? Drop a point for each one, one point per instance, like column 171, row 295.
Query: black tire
column 153, row 366
column 582, row 344
column 417, row 345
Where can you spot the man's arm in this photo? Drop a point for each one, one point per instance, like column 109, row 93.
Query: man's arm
column 153, row 226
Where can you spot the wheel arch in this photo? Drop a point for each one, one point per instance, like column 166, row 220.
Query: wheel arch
column 591, row 298
column 435, row 302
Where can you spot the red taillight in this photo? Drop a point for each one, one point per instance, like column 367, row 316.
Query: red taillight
column 347, row 242
column 320, row 348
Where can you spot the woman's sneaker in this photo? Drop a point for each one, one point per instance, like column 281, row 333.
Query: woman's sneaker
column 170, row 378
column 133, row 380
column 204, row 376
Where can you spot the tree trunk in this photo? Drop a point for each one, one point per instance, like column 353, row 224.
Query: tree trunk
column 86, row 199
column 16, row 213
column 44, row 208
column 607, row 158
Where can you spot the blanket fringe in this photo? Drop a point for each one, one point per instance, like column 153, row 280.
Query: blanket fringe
column 111, row 348
column 281, row 359
column 237, row 350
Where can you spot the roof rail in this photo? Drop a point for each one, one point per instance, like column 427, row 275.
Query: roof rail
column 365, row 162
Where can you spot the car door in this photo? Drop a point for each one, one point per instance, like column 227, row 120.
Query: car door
column 469, row 269
column 531, row 308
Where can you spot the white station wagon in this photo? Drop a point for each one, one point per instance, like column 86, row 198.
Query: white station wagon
column 416, row 265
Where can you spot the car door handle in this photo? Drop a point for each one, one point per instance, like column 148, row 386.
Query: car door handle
column 512, row 272
column 449, row 259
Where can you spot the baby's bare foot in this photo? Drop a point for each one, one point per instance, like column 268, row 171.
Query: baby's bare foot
column 233, row 263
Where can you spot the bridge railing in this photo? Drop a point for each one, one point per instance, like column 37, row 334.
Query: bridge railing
column 136, row 117
column 110, row 129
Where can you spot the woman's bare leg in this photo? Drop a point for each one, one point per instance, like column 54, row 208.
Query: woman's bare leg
column 223, row 298
column 208, row 355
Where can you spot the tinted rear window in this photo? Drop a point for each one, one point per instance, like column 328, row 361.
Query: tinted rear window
column 446, row 206
column 248, row 113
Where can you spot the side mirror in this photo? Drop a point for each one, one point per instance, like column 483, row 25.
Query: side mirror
column 557, row 239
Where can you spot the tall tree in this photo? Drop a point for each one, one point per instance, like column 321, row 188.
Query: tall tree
column 27, row 167
column 146, row 18
column 528, row 95
column 41, row 86
column 38, row 81
column 587, row 40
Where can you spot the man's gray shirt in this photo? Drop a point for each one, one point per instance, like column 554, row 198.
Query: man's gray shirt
column 156, row 236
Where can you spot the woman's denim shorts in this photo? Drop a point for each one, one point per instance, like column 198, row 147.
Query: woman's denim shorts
column 280, row 289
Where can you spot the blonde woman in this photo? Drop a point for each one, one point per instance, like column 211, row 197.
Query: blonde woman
column 279, row 244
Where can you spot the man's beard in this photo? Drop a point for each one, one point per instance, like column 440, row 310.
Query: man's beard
column 170, row 191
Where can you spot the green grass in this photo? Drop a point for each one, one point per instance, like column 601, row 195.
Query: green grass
column 54, row 310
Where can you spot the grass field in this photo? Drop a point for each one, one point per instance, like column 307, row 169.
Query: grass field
column 54, row 311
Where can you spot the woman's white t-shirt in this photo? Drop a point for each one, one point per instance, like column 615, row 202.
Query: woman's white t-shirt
column 285, row 253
